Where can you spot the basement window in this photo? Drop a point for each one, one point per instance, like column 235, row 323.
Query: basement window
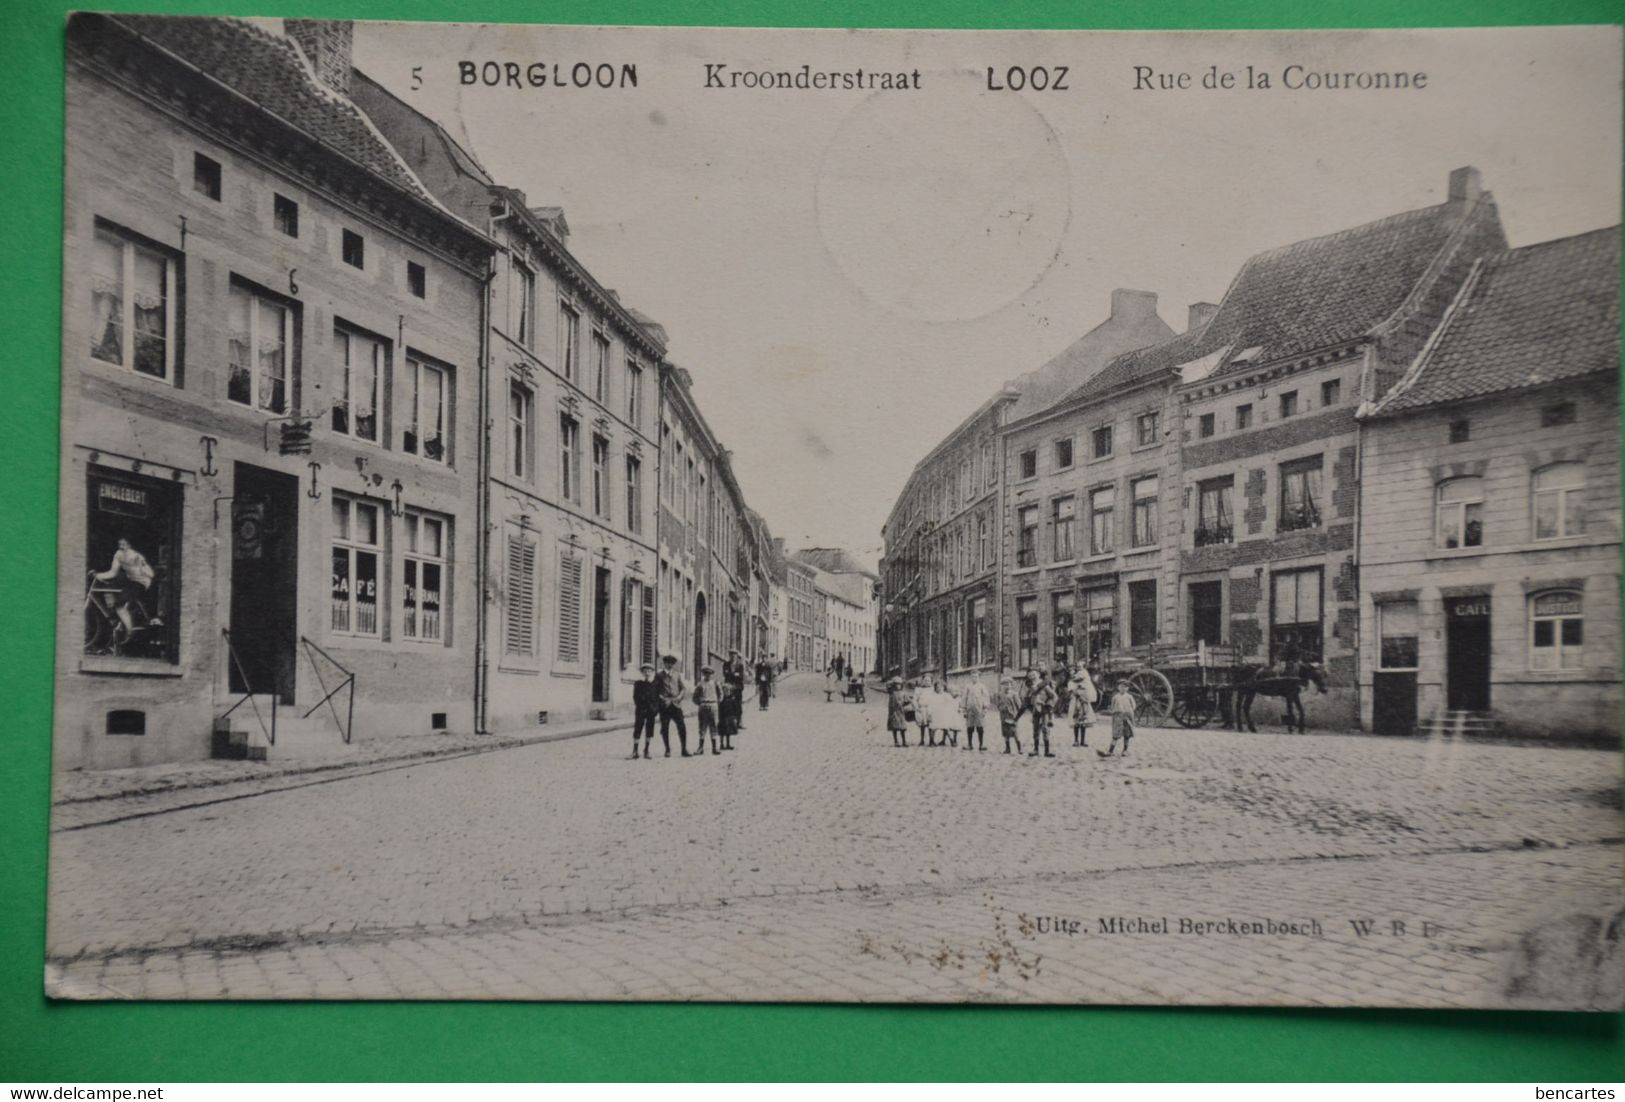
column 126, row 721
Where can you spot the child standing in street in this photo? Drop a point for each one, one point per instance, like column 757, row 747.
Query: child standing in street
column 924, row 701
column 898, row 702
column 1010, row 705
column 645, row 707
column 973, row 705
column 1082, row 696
column 707, row 695
column 1123, row 707
column 945, row 713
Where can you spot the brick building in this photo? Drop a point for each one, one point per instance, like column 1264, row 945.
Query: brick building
column 271, row 347
column 1490, row 533
column 571, row 396
column 1266, row 399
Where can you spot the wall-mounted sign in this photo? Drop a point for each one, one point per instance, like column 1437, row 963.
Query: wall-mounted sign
column 121, row 498
column 1470, row 608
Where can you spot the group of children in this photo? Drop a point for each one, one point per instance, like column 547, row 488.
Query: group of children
column 937, row 712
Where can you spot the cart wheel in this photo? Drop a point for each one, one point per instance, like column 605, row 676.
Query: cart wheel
column 1194, row 709
column 1155, row 693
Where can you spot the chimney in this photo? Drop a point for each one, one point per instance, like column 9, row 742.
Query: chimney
column 1133, row 305
column 1466, row 185
column 326, row 42
column 1200, row 314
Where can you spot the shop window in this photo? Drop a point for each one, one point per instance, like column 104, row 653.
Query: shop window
column 134, row 303
column 1144, row 493
column 132, row 558
column 357, row 541
column 1397, row 629
column 976, row 651
column 1559, row 504
column 1556, row 630
column 262, row 332
column 361, row 363
column 1062, row 606
column 1100, row 619
column 1295, row 616
column 1300, row 495
column 1214, row 518
column 423, row 573
column 1061, row 521
column 1461, row 513
column 427, row 388
column 1026, row 632
column 1142, row 613
column 1027, row 536
column 1101, row 504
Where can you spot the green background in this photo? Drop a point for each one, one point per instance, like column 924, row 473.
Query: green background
column 67, row 1043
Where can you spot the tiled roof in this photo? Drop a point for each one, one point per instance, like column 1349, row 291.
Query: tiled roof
column 831, row 560
column 1529, row 316
column 1133, row 368
column 1078, row 362
column 269, row 70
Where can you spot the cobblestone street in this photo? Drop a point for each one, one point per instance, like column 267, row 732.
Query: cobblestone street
column 817, row 861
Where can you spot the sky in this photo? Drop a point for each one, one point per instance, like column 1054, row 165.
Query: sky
column 848, row 274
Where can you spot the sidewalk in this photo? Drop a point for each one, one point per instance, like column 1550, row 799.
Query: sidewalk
column 81, row 787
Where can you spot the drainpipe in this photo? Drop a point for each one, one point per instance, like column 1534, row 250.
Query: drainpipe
column 482, row 510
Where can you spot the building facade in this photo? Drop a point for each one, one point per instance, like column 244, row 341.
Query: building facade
column 800, row 604
column 1490, row 535
column 270, row 370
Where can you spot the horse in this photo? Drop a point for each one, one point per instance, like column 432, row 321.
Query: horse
column 1287, row 683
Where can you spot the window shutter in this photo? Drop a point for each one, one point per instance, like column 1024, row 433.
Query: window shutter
column 569, row 609
column 521, row 626
column 629, row 592
column 649, row 624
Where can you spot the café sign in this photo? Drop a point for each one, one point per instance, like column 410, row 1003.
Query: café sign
column 1470, row 608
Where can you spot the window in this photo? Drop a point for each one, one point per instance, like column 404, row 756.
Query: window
column 132, row 547
column 634, row 495
column 1029, row 464
column 1063, row 454
column 259, row 343
column 1213, row 516
column 285, row 215
column 1101, row 503
column 1397, row 629
column 1061, row 609
column 1061, row 514
column 1142, row 613
column 1559, row 505
column 1145, row 429
column 570, row 332
column 423, row 571
column 1331, row 392
column 521, row 406
column 600, row 367
column 634, row 393
column 976, row 651
column 1556, row 631
column 1460, row 431
column 631, row 603
column 1560, row 414
column 1027, row 527
column 361, row 361
column 1145, row 511
column 1460, row 513
column 1207, row 612
column 355, row 249
column 1100, row 619
column 206, row 176
column 600, row 476
column 1289, row 403
column 519, row 627
column 1026, row 632
column 1205, row 425
column 1300, row 495
column 356, row 540
column 647, row 639
column 984, row 543
column 1244, row 415
column 1100, row 442
column 569, row 651
column 417, row 279
column 1295, row 631
column 524, row 289
column 569, row 458
column 427, row 386
column 133, row 304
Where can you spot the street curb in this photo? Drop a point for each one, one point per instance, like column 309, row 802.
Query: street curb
column 503, row 742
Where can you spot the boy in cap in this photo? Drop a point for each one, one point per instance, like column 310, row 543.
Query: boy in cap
column 1041, row 702
column 1010, row 706
column 645, row 706
column 707, row 695
column 669, row 687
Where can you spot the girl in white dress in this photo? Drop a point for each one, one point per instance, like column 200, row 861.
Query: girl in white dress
column 945, row 715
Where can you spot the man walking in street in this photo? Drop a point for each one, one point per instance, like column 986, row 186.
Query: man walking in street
column 764, row 684
column 670, row 688
column 645, row 706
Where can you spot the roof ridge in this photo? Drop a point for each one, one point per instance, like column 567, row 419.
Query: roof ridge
column 1349, row 231
column 1458, row 304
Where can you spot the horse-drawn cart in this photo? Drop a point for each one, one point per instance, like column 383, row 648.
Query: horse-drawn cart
column 1190, row 686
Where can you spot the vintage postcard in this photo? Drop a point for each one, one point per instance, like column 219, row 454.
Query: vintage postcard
column 521, row 485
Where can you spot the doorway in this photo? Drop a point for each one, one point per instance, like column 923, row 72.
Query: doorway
column 1467, row 654
column 600, row 635
column 264, row 617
